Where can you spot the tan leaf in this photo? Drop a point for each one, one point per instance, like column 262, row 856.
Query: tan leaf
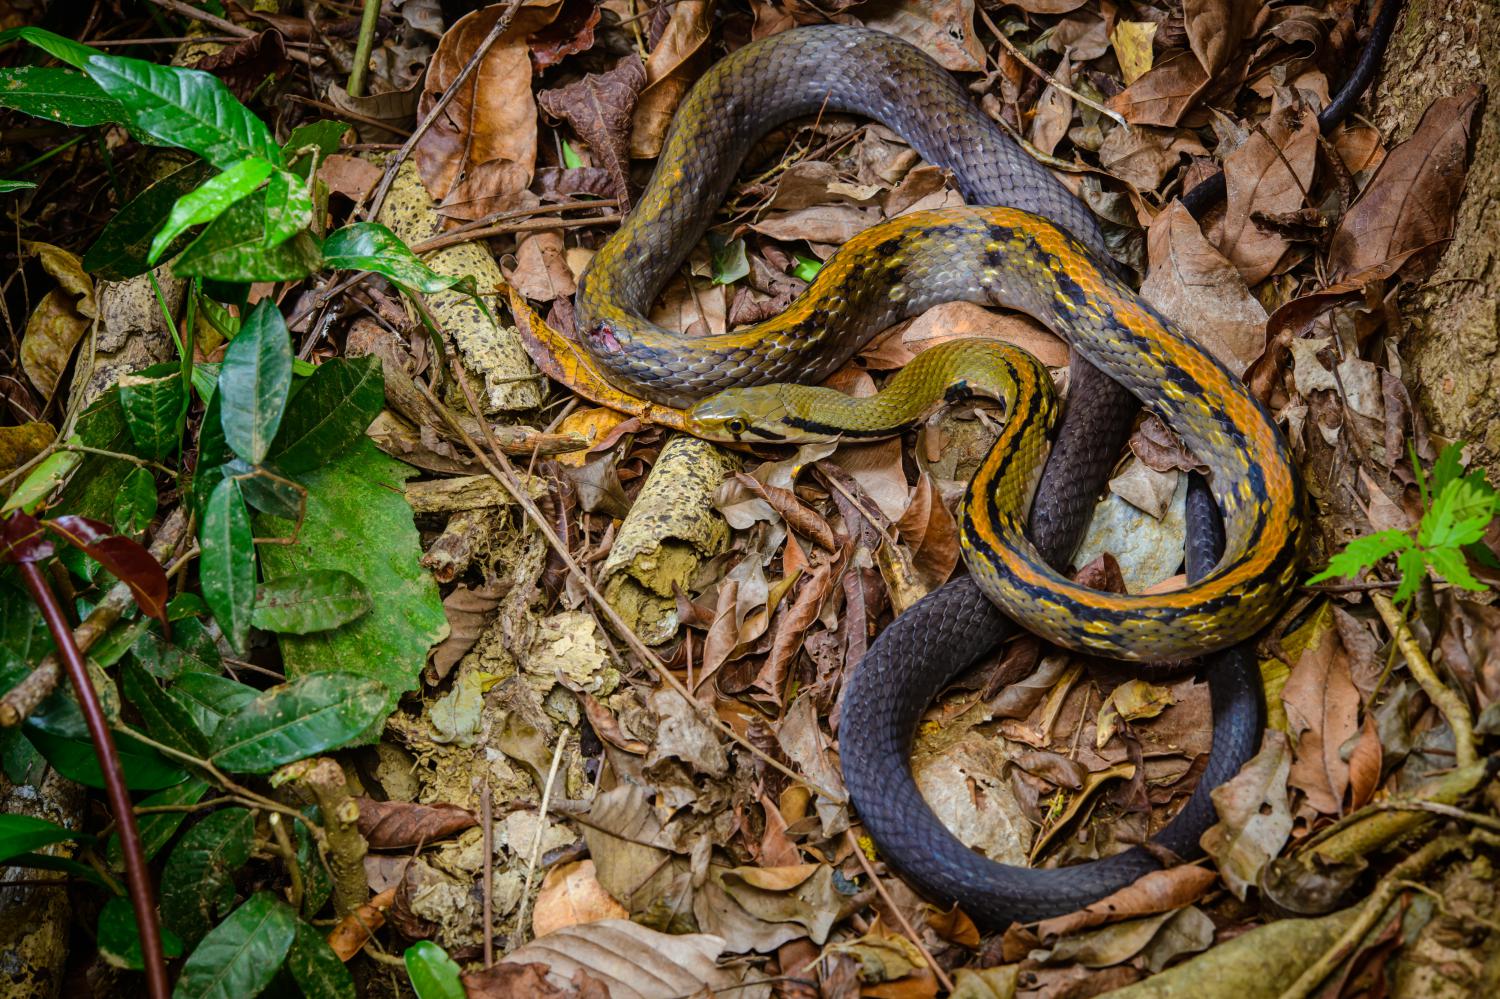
column 932, row 533
column 1411, row 201
column 352, row 176
column 601, row 108
column 1322, row 707
column 541, row 272
column 512, row 981
column 52, row 331
column 1215, row 29
column 944, row 29
column 1054, row 110
column 1196, row 287
column 632, row 961
column 1268, row 173
column 1365, row 764
column 960, row 320
column 670, row 70
column 1132, row 43
column 354, row 930
column 1163, row 95
column 954, row 926
column 570, row 895
column 1158, row 891
column 834, row 224
column 1254, row 817
column 1143, row 156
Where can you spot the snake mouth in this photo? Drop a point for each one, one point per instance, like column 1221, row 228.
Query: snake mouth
column 601, row 337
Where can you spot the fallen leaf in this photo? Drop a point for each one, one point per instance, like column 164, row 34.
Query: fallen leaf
column 955, row 926
column 352, row 176
column 1132, row 700
column 1270, row 172
column 1054, row 110
column 961, row 320
column 1158, row 891
column 508, row 980
column 601, row 109
column 354, row 930
column 944, row 29
column 1322, row 707
column 1164, row 94
column 1254, row 816
column 244, row 65
column 1143, row 156
column 571, row 895
column 541, row 271
column 571, row 33
column 20, row 444
column 1365, row 764
column 632, row 961
column 399, row 825
column 59, row 320
column 1215, row 29
column 1132, row 43
column 671, row 67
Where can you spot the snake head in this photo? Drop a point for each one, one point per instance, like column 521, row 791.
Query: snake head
column 603, row 339
column 761, row 414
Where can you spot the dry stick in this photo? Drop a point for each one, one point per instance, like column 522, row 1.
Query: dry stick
column 536, row 836
column 226, row 26
column 22, row 699
column 906, row 927
column 1450, row 704
column 500, row 467
column 501, row 23
column 1039, row 71
column 539, row 225
column 510, row 214
column 142, row 898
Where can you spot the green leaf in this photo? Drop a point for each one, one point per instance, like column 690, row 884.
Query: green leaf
column 233, row 248
column 307, row 716
column 571, row 159
column 210, row 699
column 191, row 650
column 289, row 208
column 75, row 54
column 91, row 490
column 6, row 186
column 1448, row 468
column 316, row 968
column 187, row 108
column 355, row 498
column 120, row 251
column 75, row 759
column 317, row 886
column 42, row 480
column 59, row 95
column 197, row 884
column 209, row 200
column 158, row 828
column 155, row 404
column 166, row 720
column 67, row 865
column 434, row 975
column 729, row 260
column 1449, row 563
column 1460, row 513
column 807, row 267
column 330, row 413
column 1362, row 553
column 267, row 492
column 255, row 380
column 370, row 246
column 1412, row 565
column 136, row 503
column 325, row 136
column 314, row 601
column 24, row 833
column 227, row 568
column 119, row 937
column 242, row 954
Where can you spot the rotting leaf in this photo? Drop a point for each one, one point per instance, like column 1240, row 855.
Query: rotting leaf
column 1322, row 706
column 1158, row 891
column 670, row 70
column 1254, row 816
column 400, row 825
column 1271, row 172
column 601, row 109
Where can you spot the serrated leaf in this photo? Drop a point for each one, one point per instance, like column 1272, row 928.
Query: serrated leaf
column 210, row 699
column 233, row 248
column 197, row 884
column 136, row 503
column 370, row 246
column 187, row 108
column 1362, row 553
column 119, row 937
column 155, row 403
column 434, row 975
column 255, row 380
column 330, row 413
column 314, row 601
column 157, row 828
column 1412, row 565
column 316, row 969
column 241, row 955
column 289, row 208
column 227, row 567
column 60, row 95
column 166, row 720
column 310, row 715
column 24, row 833
column 209, row 200
column 1460, row 513
column 120, row 250
column 1449, row 563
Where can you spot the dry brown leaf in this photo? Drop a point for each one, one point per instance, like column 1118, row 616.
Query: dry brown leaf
column 52, row 331
column 1215, row 29
column 960, row 320
column 354, row 930
column 955, row 926
column 1365, row 764
column 671, row 67
column 541, row 271
column 601, row 108
column 1143, row 156
column 632, row 961
column 1413, row 198
column 399, row 825
column 791, row 629
column 571, row 33
column 931, row 532
column 1160, row 448
column 352, row 176
column 1054, row 110
column 508, row 980
column 1162, row 96
column 468, row 611
column 1258, row 179
column 944, row 29
column 20, row 444
column 829, row 224
column 1254, row 817
column 1159, row 891
column 798, row 515
column 1197, row 288
column 571, row 895
column 1322, row 707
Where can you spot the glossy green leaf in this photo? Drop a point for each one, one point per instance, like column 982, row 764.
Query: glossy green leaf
column 233, row 248
column 330, row 413
column 42, row 480
column 255, row 379
column 60, row 95
column 289, row 208
column 370, row 246
column 208, row 201
column 136, row 503
column 191, row 650
column 187, row 108
column 266, row 490
column 24, row 833
column 729, row 261
column 434, row 975
column 6, row 186
column 241, row 955
column 75, row 54
column 210, row 699
column 325, row 136
column 120, row 936
column 75, row 759
column 120, row 250
column 307, row 716
column 91, row 489
column 158, row 828
column 313, row 601
column 806, row 267
column 227, row 566
column 197, row 884
column 316, row 968
column 155, row 403
column 317, row 886
column 167, row 721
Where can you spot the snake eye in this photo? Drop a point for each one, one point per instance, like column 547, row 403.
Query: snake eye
column 737, row 426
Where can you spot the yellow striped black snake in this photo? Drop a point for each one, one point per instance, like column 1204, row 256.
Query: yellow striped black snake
column 1042, row 255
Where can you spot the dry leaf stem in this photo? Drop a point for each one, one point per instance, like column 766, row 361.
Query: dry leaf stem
column 906, row 927
column 1460, row 720
column 536, row 836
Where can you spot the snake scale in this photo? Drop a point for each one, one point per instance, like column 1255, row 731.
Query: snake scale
column 1040, row 253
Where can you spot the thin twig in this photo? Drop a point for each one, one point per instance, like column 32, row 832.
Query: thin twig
column 226, row 26
column 536, row 837
column 1114, row 116
column 441, row 240
column 906, row 927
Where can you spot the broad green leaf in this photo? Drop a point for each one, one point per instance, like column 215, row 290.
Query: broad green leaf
column 118, row 641
column 357, row 497
column 1362, row 553
column 370, row 246
column 155, row 404
column 729, row 260
column 330, row 413
column 307, row 716
column 167, row 721
column 209, row 200
column 197, row 884
column 210, row 699
column 325, row 136
column 67, row 865
column 184, row 107
column 289, row 208
column 191, row 650
column 120, row 251
column 75, row 759
column 120, row 936
column 42, row 480
column 136, row 503
column 434, row 975
column 75, row 54
column 314, row 601
column 316, row 968
column 24, row 638
column 158, row 828
column 24, row 833
column 255, row 379
column 93, row 486
column 317, row 886
column 267, row 491
column 59, row 95
column 227, row 568
column 241, row 955
column 233, row 248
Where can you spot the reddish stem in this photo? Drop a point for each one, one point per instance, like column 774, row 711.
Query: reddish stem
column 142, row 898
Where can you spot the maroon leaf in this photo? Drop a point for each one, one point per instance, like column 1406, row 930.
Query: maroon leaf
column 399, row 825
column 573, row 31
column 23, row 540
column 600, row 107
column 129, row 562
